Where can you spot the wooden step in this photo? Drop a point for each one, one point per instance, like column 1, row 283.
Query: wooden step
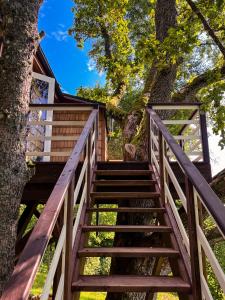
column 124, row 182
column 128, row 210
column 123, row 165
column 128, row 252
column 123, row 172
column 127, row 228
column 131, row 284
column 124, row 195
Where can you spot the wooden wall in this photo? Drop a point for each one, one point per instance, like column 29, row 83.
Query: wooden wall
column 67, row 146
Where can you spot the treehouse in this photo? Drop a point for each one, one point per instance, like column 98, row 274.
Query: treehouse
column 76, row 184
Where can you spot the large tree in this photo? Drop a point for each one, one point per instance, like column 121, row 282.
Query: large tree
column 156, row 50
column 19, row 39
column 135, row 59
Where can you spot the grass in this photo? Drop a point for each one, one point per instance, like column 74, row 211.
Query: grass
column 93, row 296
column 101, row 296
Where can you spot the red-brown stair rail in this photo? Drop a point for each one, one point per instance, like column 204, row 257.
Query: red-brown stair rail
column 60, row 205
column 198, row 193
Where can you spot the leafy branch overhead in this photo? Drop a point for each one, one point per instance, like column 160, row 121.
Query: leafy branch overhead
column 129, row 44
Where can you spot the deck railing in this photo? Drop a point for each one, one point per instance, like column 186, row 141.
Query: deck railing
column 188, row 126
column 48, row 124
column 58, row 218
column 197, row 201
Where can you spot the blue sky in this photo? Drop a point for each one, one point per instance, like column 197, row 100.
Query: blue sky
column 70, row 64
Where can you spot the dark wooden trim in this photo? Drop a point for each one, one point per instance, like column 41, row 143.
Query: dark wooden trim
column 161, row 166
column 204, row 134
column 209, row 198
column 193, row 240
column 63, row 105
column 69, row 246
column 148, row 121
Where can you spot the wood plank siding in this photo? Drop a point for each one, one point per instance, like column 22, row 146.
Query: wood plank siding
column 70, row 130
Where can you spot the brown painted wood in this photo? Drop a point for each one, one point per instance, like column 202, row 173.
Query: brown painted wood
column 124, row 182
column 131, row 284
column 124, row 195
column 123, row 165
column 30, row 258
column 161, row 166
column 69, row 233
column 123, row 172
column 193, row 240
column 128, row 252
column 127, row 228
column 210, row 199
column 179, row 242
column 204, row 134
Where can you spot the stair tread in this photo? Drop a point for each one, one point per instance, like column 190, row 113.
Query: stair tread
column 120, row 283
column 124, row 195
column 127, row 228
column 128, row 209
column 128, row 252
column 123, row 172
column 124, row 182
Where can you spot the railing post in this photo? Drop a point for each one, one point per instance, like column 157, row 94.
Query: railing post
column 69, row 243
column 204, row 135
column 88, row 178
column 161, row 167
column 96, row 137
column 193, row 241
column 149, row 136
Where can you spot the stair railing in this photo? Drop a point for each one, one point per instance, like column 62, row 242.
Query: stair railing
column 197, row 201
column 47, row 130
column 58, row 220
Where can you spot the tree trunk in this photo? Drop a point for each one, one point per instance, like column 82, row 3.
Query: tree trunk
column 160, row 80
column 19, row 29
column 158, row 87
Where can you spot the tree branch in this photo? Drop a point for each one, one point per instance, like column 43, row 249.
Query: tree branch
column 189, row 91
column 207, row 26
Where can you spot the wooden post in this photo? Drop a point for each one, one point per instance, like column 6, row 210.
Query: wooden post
column 88, row 178
column 205, row 144
column 69, row 246
column 149, row 136
column 161, row 167
column 193, row 239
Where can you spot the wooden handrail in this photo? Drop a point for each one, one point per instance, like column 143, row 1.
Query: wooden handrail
column 24, row 273
column 210, row 199
column 64, row 105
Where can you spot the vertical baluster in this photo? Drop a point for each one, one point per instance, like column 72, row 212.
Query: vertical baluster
column 193, row 240
column 68, row 242
column 88, row 170
column 96, row 138
column 149, row 136
column 162, row 167
column 204, row 136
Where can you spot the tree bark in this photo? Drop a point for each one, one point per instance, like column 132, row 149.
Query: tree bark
column 158, row 87
column 19, row 28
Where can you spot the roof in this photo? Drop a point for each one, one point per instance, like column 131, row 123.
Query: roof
column 62, row 97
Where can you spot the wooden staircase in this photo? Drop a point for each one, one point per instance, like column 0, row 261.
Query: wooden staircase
column 122, row 184
column 174, row 201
